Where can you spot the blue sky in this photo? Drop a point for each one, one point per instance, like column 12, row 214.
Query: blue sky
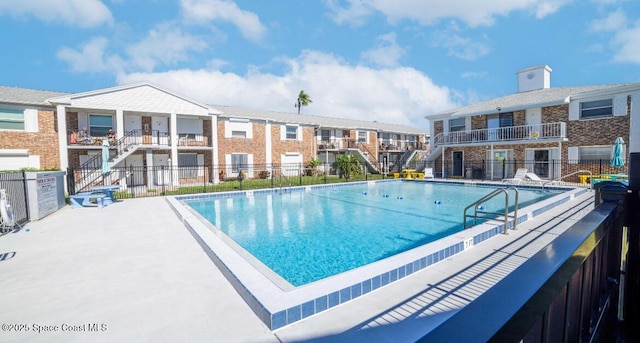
column 386, row 60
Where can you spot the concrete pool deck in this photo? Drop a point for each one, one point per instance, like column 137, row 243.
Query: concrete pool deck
column 132, row 272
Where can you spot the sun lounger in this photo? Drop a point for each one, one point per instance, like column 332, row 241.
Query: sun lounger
column 518, row 177
column 532, row 177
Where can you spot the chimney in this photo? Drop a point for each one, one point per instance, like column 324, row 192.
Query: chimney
column 534, row 78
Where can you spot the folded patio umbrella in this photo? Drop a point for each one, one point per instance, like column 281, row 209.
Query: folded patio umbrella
column 617, row 154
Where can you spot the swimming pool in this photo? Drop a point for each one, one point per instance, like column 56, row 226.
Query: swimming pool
column 278, row 303
column 308, row 236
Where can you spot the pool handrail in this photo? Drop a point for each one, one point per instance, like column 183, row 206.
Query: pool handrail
column 487, row 197
column 571, row 174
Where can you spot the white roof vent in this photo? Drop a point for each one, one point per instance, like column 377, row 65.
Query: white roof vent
column 534, row 78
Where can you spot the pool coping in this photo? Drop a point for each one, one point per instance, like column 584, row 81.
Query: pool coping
column 278, row 306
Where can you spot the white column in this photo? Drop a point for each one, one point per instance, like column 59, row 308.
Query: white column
column 214, row 149
column 173, row 128
column 150, row 169
column 119, row 124
column 61, row 111
column 634, row 125
column 267, row 143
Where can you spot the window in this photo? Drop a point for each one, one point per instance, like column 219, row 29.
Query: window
column 599, row 108
column 456, row 125
column 239, row 134
column 292, row 132
column 239, row 162
column 594, row 153
column 188, row 165
column 11, row 119
column 99, row 125
column 412, row 141
column 325, row 135
column 362, row 136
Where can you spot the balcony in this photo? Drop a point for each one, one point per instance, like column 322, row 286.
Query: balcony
column 512, row 134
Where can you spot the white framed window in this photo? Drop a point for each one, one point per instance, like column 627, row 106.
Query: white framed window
column 188, row 165
column 457, row 124
column 362, row 136
column 597, row 108
column 325, row 135
column 238, row 128
column 238, row 134
column 11, row 119
column 594, row 153
column 239, row 162
column 291, row 132
column 99, row 125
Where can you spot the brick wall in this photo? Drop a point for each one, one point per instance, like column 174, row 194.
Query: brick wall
column 43, row 143
column 255, row 145
column 305, row 147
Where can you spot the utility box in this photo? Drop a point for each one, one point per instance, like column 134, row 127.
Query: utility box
column 45, row 193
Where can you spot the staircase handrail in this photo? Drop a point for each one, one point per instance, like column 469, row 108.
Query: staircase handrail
column 89, row 167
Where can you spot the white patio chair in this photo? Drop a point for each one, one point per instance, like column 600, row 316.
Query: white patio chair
column 428, row 173
column 518, row 177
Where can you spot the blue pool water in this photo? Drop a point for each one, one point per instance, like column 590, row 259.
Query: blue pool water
column 305, row 236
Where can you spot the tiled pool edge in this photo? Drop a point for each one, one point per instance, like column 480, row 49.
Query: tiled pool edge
column 281, row 317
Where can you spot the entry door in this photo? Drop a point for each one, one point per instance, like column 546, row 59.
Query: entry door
column 162, row 176
column 135, row 171
column 493, row 125
column 160, row 130
column 457, row 159
column 541, row 162
column 500, row 164
column 131, row 123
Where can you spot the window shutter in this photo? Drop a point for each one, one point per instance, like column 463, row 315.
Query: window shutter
column 31, row 120
column 620, row 105
column 573, row 154
column 574, row 110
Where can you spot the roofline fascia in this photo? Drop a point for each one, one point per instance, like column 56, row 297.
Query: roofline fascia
column 604, row 92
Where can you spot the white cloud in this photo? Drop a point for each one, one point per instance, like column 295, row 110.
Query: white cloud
column 80, row 13
column 203, row 11
column 154, row 50
column 473, row 75
column 146, row 55
column 458, row 46
column 614, row 21
column 394, row 95
column 624, row 37
column 386, row 53
column 472, row 12
column 91, row 57
column 627, row 43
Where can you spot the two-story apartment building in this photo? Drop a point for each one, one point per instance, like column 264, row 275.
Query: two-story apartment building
column 147, row 126
column 539, row 128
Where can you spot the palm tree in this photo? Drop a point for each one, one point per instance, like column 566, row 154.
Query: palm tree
column 303, row 100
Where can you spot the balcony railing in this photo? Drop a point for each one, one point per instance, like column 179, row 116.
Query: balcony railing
column 384, row 145
column 532, row 133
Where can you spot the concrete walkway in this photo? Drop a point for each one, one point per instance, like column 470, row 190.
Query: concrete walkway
column 132, row 272
column 131, row 268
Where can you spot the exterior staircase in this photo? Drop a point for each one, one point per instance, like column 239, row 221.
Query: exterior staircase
column 91, row 170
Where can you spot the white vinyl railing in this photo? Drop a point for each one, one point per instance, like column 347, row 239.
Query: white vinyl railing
column 512, row 133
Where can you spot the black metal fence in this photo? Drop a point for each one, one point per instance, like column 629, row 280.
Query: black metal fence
column 501, row 169
column 15, row 185
column 139, row 182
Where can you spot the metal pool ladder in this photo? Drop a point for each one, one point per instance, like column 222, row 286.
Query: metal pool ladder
column 485, row 214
